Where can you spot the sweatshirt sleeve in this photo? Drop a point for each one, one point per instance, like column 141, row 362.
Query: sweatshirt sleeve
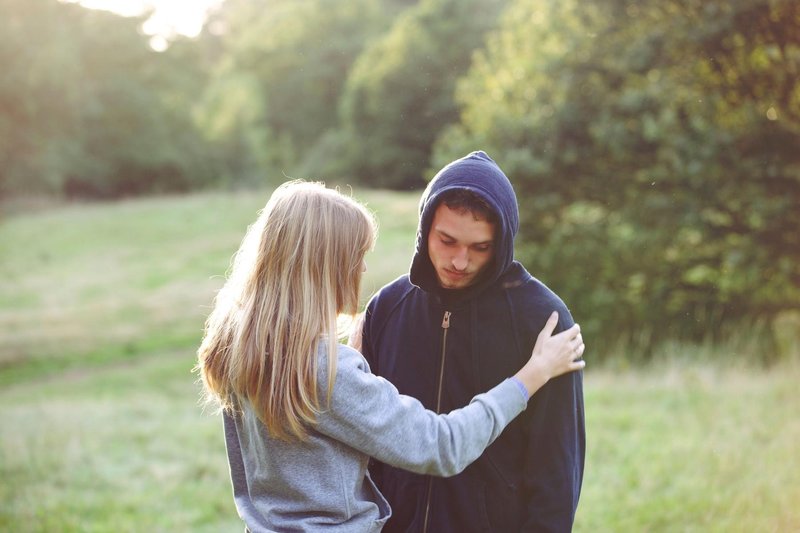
column 368, row 413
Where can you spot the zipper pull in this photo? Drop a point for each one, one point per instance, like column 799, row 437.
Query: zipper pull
column 446, row 320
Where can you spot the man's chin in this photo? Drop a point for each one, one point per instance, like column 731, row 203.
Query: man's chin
column 447, row 282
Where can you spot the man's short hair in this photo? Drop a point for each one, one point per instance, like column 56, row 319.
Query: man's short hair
column 466, row 201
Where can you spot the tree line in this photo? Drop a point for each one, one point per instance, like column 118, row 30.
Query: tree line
column 654, row 145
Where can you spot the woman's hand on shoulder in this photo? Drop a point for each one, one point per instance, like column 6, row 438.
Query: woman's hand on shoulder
column 553, row 355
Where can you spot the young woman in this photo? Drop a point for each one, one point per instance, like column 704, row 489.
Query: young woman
column 302, row 413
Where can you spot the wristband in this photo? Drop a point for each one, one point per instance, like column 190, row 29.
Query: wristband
column 521, row 387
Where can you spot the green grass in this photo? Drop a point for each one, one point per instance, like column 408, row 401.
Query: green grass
column 87, row 284
column 692, row 448
column 124, row 448
column 102, row 308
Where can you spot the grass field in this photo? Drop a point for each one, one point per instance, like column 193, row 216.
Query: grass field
column 101, row 310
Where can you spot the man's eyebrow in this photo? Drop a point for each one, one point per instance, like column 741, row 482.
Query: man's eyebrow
column 448, row 236
column 444, row 234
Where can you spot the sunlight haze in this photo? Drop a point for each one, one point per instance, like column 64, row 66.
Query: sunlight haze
column 169, row 17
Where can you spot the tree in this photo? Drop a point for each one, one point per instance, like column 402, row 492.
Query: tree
column 134, row 115
column 90, row 109
column 294, row 57
column 400, row 93
column 35, row 109
column 652, row 146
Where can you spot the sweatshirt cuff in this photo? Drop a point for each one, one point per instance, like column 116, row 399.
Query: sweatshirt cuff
column 521, row 387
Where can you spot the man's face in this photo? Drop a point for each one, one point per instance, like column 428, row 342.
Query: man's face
column 459, row 246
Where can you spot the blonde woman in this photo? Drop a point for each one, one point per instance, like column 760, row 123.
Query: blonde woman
column 303, row 414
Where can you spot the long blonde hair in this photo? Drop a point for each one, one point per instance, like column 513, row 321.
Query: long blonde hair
column 298, row 268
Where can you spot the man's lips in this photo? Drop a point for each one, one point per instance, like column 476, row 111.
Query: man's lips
column 455, row 274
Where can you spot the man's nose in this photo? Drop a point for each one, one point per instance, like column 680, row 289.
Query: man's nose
column 461, row 259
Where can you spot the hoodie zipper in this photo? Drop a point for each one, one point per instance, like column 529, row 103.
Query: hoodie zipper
column 445, row 327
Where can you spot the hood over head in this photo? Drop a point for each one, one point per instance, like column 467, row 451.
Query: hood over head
column 476, row 172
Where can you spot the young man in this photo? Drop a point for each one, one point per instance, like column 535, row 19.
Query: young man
column 466, row 316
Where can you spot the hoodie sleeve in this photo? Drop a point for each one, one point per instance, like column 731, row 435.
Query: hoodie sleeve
column 375, row 466
column 556, row 450
column 369, row 414
column 366, row 341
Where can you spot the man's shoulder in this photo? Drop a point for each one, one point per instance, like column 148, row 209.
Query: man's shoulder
column 399, row 283
column 394, row 303
column 531, row 296
column 392, row 292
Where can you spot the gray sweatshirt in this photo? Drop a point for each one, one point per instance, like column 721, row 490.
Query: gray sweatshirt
column 322, row 484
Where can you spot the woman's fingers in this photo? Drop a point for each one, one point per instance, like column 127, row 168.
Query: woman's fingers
column 573, row 344
column 569, row 334
column 576, row 344
column 578, row 350
column 567, row 346
column 550, row 325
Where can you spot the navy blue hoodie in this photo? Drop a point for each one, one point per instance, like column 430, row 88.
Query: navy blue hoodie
column 530, row 478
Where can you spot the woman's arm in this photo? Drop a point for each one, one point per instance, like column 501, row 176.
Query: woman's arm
column 369, row 414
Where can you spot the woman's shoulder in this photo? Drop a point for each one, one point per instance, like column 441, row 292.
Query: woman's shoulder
column 348, row 360
column 356, row 390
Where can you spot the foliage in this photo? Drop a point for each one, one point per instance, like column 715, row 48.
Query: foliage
column 653, row 146
column 230, row 114
column 400, row 93
column 90, row 109
column 291, row 58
